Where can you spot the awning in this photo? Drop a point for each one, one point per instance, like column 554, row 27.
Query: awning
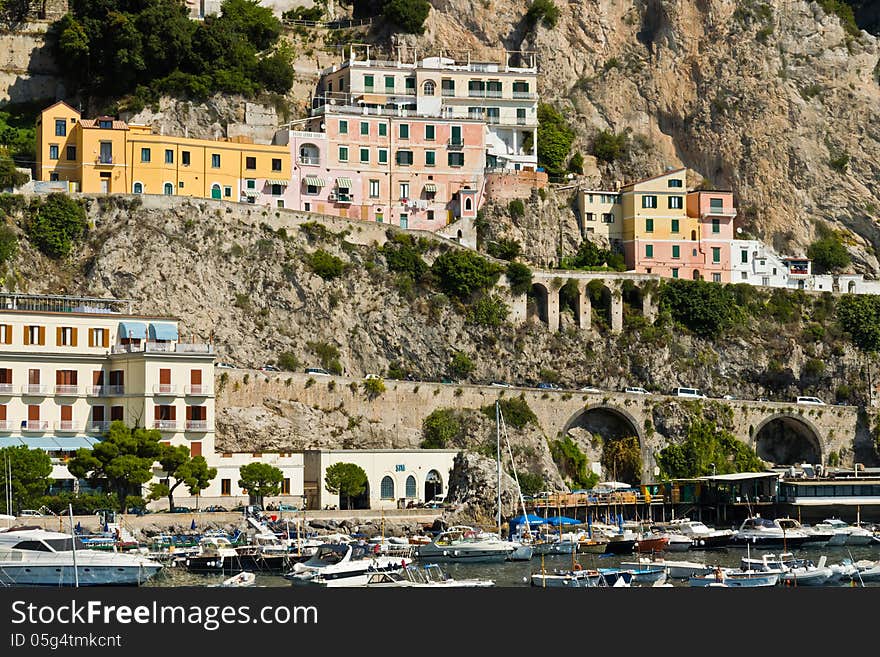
column 430, row 188
column 9, row 441
column 40, row 442
column 278, row 181
column 371, row 99
column 137, row 330
column 344, row 183
column 163, row 332
column 73, row 443
column 249, row 193
column 314, row 181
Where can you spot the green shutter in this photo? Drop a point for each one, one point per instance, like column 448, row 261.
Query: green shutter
column 430, row 158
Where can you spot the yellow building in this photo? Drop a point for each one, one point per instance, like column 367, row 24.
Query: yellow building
column 104, row 155
column 601, row 214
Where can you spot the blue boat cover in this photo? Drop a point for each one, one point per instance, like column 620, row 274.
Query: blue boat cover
column 137, row 330
column 163, row 332
column 562, row 520
column 532, row 519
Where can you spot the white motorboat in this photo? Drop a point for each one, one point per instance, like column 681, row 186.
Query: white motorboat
column 676, row 569
column 337, row 564
column 678, row 542
column 818, row 536
column 32, row 556
column 702, row 537
column 463, row 544
column 867, row 571
column 430, row 576
column 808, row 574
column 765, row 533
column 242, row 579
column 732, row 578
column 849, row 534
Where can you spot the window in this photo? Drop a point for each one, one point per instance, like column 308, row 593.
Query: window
column 716, row 225
column 429, row 132
column 428, row 88
column 447, row 87
column 456, row 159
column 145, row 155
column 215, row 160
column 184, row 158
column 649, row 225
column 404, row 221
column 675, row 272
column 383, row 156
column 169, row 156
column 493, row 114
column 105, row 124
column 410, row 84
column 676, row 251
column 716, row 278
column 60, row 127
column 455, row 139
column 430, row 215
column 71, row 153
column 312, row 190
column 430, row 158
column 591, row 216
column 365, row 128
column 649, row 201
column 386, row 490
column 383, row 129
column 54, row 177
column 520, row 88
column 404, row 190
column 227, row 191
column 649, row 250
column 716, row 205
column 343, row 153
column 744, row 257
column 404, row 131
column 389, row 83
column 674, row 225
column 675, row 203
column 607, row 217
column 410, row 486
column 250, row 163
column 716, row 254
column 365, row 155
column 343, row 127
column 276, row 164
column 368, row 82
column 99, row 337
column 404, row 158
column 285, row 486
column 277, row 190
column 674, row 182
column 65, row 336
column 374, row 189
column 744, row 276
column 250, row 183
column 53, row 151
column 226, row 486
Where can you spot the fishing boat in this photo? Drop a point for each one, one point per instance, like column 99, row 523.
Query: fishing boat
column 570, row 579
column 807, row 574
column 216, row 554
column 649, row 543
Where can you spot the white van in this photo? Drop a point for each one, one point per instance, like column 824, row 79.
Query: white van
column 810, row 400
column 694, row 393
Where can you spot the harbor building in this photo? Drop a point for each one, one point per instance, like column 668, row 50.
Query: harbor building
column 69, row 366
column 396, row 478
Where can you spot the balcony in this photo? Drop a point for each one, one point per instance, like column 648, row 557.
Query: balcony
column 344, row 198
column 721, row 212
column 525, row 95
column 105, row 391
column 98, row 426
column 198, row 390
column 310, row 161
column 7, row 425
column 65, row 426
column 34, row 389
column 521, row 120
column 164, row 389
column 196, row 425
column 104, row 159
column 35, row 425
column 447, row 92
column 165, row 425
column 6, row 389
column 67, row 390
column 456, row 144
column 163, row 348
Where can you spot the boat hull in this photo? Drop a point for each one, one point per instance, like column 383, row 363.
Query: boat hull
column 769, row 542
column 711, row 542
column 25, row 574
column 575, row 579
column 620, row 547
column 737, row 581
column 237, row 564
column 521, row 553
column 460, row 555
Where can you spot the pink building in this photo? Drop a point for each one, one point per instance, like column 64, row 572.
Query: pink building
column 715, row 212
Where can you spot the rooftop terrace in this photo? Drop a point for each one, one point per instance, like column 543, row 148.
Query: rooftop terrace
column 64, row 304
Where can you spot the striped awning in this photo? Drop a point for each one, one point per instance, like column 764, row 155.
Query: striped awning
column 344, row 183
column 314, row 181
column 250, row 193
column 278, row 181
column 430, row 187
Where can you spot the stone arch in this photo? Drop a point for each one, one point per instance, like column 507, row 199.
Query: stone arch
column 538, row 303
column 788, row 438
column 433, row 485
column 601, row 301
column 573, row 296
column 611, row 423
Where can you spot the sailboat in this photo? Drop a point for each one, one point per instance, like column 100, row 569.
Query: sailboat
column 522, row 551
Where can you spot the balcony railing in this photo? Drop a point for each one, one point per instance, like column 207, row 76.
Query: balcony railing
column 198, row 390
column 98, row 426
column 196, row 425
column 67, row 390
column 164, row 348
column 160, row 347
column 304, row 159
column 104, row 159
column 165, row 389
column 65, row 426
column 722, row 212
column 525, row 95
column 34, row 389
column 165, row 425
column 520, row 120
column 344, row 198
column 455, row 143
column 35, row 425
column 6, row 389
column 193, row 348
column 7, row 425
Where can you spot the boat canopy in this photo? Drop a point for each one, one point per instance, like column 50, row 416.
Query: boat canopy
column 556, row 521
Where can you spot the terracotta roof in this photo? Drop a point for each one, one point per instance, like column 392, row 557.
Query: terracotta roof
column 93, row 123
column 660, row 175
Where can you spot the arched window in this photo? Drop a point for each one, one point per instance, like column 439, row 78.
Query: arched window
column 138, row 188
column 468, row 203
column 696, row 274
column 386, row 490
column 309, row 154
column 215, row 192
column 693, row 235
column 169, row 189
column 410, row 486
column 851, row 288
column 429, row 87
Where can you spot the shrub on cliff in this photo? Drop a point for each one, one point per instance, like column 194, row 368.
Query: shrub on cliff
column 504, row 249
column 324, row 264
column 828, row 254
column 544, row 11
column 440, row 428
column 608, row 146
column 55, row 224
column 707, row 309
column 408, row 15
column 859, row 316
column 461, row 273
column 489, row 310
column 460, row 365
column 516, row 412
column 554, row 139
column 705, row 445
column 572, row 463
column 404, row 255
column 520, row 278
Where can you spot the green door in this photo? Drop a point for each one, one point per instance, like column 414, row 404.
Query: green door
column 215, row 192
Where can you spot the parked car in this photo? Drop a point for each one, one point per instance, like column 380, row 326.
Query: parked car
column 318, row 370
column 762, row 399
column 590, row 389
column 224, row 366
column 500, row 384
column 30, row 513
column 182, row 509
column 728, row 397
column 372, row 377
column 287, row 507
column 810, row 400
column 269, row 368
column 545, row 385
column 436, row 502
column 215, row 508
column 694, row 393
column 636, row 391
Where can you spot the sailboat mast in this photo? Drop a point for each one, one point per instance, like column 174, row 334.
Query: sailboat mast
column 498, row 457
column 73, row 545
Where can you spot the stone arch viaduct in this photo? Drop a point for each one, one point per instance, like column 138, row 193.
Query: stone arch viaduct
column 779, row 432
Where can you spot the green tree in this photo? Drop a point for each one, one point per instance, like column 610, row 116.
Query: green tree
column 8, row 244
column 622, row 458
column 608, row 146
column 572, row 463
column 440, row 429
column 403, row 254
column 555, row 138
column 324, row 264
column 122, row 461
column 516, row 412
column 30, row 475
column 181, row 468
column 516, row 208
column 576, row 163
column 828, row 254
column 504, row 249
column 462, row 273
column 520, row 278
column 260, row 480
column 347, row 480
column 461, row 366
column 408, row 15
column 544, row 11
column 704, row 445
column 859, row 316
column 707, row 309
column 488, row 310
column 10, row 178
column 56, row 224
